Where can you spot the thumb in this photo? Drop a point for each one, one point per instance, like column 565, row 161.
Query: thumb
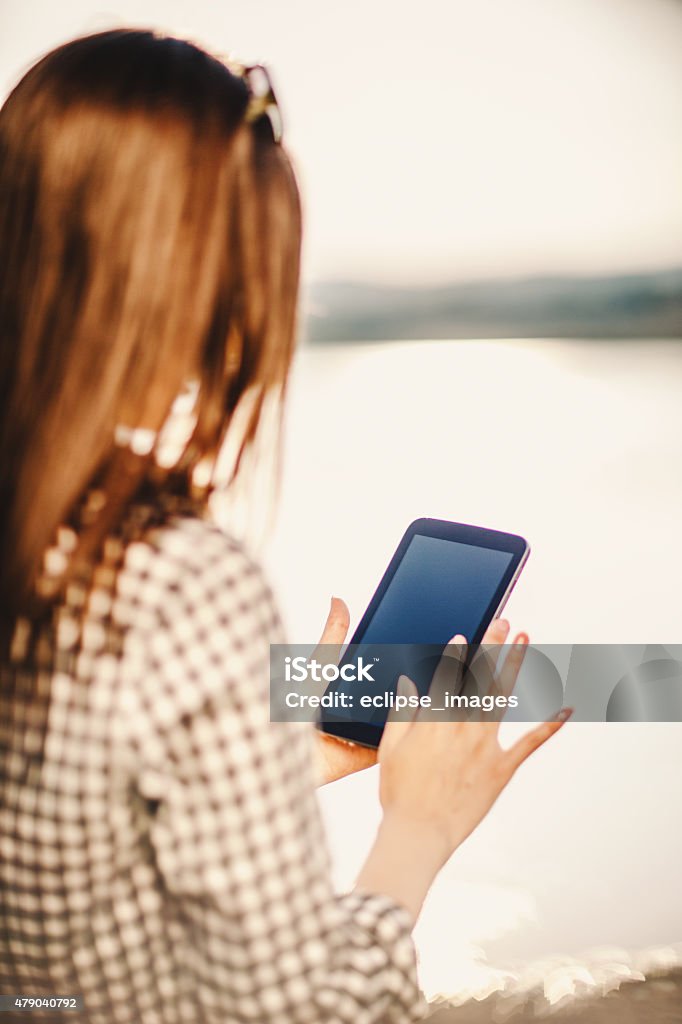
column 398, row 723
column 335, row 629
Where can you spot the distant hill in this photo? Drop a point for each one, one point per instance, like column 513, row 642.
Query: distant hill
column 619, row 306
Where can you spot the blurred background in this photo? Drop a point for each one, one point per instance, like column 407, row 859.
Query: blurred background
column 491, row 324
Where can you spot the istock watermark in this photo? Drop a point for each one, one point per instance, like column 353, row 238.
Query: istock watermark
column 302, row 670
column 601, row 682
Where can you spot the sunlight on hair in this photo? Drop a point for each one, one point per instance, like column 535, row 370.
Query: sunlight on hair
column 177, row 430
column 246, row 506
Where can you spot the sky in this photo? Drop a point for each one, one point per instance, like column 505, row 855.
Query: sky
column 449, row 139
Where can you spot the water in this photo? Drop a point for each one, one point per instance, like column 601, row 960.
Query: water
column 578, row 446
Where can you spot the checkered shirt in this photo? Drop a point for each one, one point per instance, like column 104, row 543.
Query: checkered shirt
column 164, row 856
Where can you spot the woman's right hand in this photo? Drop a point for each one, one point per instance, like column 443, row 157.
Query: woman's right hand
column 438, row 780
column 444, row 776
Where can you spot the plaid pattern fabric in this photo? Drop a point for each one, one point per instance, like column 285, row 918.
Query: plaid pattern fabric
column 164, row 855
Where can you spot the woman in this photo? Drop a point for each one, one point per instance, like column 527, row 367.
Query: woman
column 161, row 853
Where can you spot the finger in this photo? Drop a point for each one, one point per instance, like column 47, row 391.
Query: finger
column 338, row 620
column 335, row 631
column 493, row 639
column 482, row 673
column 480, row 679
column 447, row 678
column 456, row 649
column 497, row 631
column 512, row 664
column 405, row 689
column 399, row 722
column 534, row 739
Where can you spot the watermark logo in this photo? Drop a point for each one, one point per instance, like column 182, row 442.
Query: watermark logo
column 302, row 670
column 601, row 682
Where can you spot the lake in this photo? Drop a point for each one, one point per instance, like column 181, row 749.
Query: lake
column 577, row 446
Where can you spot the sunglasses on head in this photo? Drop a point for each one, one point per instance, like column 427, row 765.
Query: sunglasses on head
column 262, row 100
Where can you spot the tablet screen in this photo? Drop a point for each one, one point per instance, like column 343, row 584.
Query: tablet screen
column 440, row 588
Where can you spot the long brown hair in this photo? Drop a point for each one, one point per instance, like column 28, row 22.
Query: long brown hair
column 148, row 234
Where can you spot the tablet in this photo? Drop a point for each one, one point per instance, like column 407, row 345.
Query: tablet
column 444, row 578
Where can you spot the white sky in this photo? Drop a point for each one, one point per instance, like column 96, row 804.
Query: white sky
column 448, row 138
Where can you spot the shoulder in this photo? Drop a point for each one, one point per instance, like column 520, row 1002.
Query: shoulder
column 199, row 617
column 184, row 565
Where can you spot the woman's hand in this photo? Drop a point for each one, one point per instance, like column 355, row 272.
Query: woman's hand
column 438, row 781
column 336, row 758
column 445, row 776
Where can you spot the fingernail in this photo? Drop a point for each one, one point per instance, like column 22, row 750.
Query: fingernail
column 521, row 640
column 459, row 639
column 563, row 715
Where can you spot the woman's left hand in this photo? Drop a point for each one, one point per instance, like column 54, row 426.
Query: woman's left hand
column 335, row 758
